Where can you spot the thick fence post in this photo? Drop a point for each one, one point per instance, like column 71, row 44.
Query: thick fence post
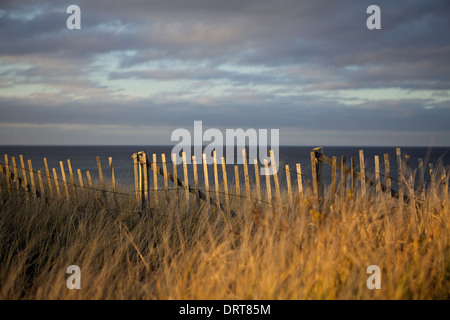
column 316, row 168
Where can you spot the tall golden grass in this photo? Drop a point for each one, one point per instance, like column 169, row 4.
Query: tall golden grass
column 260, row 253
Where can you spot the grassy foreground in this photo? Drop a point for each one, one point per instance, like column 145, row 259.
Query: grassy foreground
column 258, row 254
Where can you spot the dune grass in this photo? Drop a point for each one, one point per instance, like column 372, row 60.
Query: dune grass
column 260, row 253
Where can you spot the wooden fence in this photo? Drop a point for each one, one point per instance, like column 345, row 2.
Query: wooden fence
column 183, row 191
column 21, row 180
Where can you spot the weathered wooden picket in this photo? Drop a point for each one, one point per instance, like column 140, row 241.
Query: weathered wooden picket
column 20, row 181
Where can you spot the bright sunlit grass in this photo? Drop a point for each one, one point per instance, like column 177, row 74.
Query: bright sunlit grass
column 260, row 253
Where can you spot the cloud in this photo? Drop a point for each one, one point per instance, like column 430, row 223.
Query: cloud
column 261, row 64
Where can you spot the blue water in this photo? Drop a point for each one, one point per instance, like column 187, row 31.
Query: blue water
column 84, row 158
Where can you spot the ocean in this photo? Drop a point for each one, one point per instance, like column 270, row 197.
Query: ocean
column 84, row 158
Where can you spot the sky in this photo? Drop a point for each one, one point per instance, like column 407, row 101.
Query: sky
column 138, row 70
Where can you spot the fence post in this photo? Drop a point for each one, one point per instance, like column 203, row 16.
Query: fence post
column 343, row 176
column 16, row 177
column 33, row 183
column 69, row 165
column 8, row 188
column 421, row 179
column 362, row 172
column 63, row 174
column 352, row 172
column 433, row 179
column 275, row 177
column 299, row 180
column 216, row 180
column 88, row 175
column 408, row 165
column 196, row 186
column 41, row 184
column 206, row 178
column 236, row 179
column 387, row 173
column 24, row 175
column 246, row 178
column 289, row 187
column 316, row 167
column 102, row 182
column 140, row 156
column 55, row 178
column 333, row 179
column 136, row 179
column 166, row 182
column 444, row 183
column 225, row 185
column 399, row 175
column 258, row 183
column 186, row 182
column 377, row 175
column 268, row 188
column 49, row 180
column 113, row 183
column 155, row 179
column 80, row 179
column 175, row 176
column 113, row 178
column 145, row 185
